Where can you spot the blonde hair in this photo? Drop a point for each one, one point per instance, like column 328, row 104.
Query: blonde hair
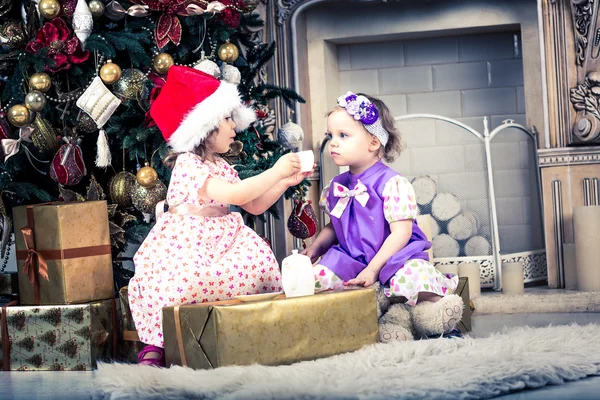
column 393, row 148
column 201, row 150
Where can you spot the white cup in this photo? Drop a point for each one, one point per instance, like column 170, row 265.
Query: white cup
column 307, row 160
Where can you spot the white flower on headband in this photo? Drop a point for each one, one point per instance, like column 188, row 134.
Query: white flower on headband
column 361, row 109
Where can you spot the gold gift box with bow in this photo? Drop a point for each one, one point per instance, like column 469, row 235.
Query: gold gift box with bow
column 58, row 338
column 63, row 253
column 279, row 331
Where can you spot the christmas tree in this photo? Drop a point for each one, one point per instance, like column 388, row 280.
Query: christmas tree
column 78, row 79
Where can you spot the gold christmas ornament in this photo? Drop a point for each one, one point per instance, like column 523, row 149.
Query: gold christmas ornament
column 145, row 199
column 131, row 84
column 35, row 101
column 40, row 81
column 44, row 136
column 121, row 188
column 96, row 8
column 147, row 176
column 110, row 73
column 228, row 52
column 162, row 62
column 86, row 124
column 18, row 115
column 49, row 8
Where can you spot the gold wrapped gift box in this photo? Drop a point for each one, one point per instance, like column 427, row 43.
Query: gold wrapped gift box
column 463, row 291
column 58, row 338
column 273, row 332
column 63, row 253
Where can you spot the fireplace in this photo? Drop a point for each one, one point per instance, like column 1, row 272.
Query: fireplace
column 469, row 63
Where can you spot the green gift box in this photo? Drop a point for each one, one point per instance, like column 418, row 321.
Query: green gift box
column 58, row 338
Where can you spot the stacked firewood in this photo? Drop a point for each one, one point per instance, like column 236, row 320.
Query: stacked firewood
column 455, row 232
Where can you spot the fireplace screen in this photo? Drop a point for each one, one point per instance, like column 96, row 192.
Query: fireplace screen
column 479, row 187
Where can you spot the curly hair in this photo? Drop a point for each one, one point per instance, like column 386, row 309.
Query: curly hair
column 201, row 150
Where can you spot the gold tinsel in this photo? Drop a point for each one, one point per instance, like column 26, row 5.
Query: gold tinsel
column 121, row 188
column 145, row 199
column 44, row 137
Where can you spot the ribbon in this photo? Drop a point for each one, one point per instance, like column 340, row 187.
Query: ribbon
column 35, row 261
column 115, row 11
column 12, row 146
column 6, row 342
column 359, row 193
column 212, row 7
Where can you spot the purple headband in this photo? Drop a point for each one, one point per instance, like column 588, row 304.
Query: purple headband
column 364, row 111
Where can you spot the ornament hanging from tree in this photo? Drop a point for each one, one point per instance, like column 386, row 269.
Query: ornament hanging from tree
column 40, row 81
column 99, row 103
column 83, row 22
column 110, row 73
column 121, row 188
column 302, row 223
column 147, row 176
column 290, row 135
column 18, row 115
column 49, row 8
column 162, row 62
column 35, row 101
column 68, row 167
column 146, row 199
column 228, row 52
column 96, row 8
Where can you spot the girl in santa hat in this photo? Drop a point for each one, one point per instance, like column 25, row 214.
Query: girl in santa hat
column 198, row 251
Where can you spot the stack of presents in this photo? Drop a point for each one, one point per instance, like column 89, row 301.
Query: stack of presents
column 59, row 311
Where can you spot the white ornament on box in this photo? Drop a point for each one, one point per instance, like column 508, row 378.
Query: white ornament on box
column 83, row 22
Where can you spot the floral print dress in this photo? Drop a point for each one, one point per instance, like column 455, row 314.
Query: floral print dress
column 188, row 259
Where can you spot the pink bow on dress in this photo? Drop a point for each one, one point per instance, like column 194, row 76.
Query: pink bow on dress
column 359, row 193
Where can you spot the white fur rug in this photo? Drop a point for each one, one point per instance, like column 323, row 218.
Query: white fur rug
column 464, row 368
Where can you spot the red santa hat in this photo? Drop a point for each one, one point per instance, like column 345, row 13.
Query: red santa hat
column 192, row 104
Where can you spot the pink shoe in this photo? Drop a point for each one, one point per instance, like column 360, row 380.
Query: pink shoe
column 153, row 361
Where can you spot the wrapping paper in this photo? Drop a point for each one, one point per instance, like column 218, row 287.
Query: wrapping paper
column 272, row 332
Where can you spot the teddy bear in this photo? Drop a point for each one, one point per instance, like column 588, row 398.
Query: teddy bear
column 399, row 322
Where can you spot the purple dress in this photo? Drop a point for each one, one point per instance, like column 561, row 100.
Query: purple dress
column 361, row 230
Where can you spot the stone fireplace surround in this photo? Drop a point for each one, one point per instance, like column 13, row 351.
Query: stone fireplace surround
column 559, row 52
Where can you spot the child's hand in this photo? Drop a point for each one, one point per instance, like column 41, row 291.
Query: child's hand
column 298, row 177
column 366, row 278
column 288, row 165
column 312, row 253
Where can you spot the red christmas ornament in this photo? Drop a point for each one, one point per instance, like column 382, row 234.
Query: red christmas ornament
column 67, row 166
column 302, row 223
column 68, row 7
column 168, row 28
column 260, row 114
column 65, row 49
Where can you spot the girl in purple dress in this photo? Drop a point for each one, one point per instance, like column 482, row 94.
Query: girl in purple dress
column 373, row 235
